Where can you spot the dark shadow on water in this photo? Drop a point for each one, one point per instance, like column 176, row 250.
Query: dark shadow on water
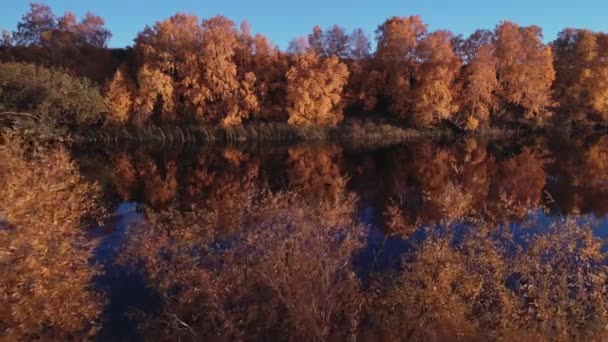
column 124, row 286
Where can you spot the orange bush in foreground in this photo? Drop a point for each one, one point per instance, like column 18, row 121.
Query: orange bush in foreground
column 45, row 271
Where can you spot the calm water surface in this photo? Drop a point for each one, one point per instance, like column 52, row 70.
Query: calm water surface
column 469, row 239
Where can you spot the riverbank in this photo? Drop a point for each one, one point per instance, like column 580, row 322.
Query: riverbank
column 367, row 133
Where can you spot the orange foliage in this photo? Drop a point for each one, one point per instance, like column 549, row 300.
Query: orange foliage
column 168, row 52
column 438, row 69
column 195, row 62
column 119, row 97
column 575, row 53
column 222, row 91
column 477, row 96
column 210, row 71
column 314, row 90
column 478, row 287
column 317, row 171
column 525, row 70
column 394, row 64
column 156, row 92
column 45, row 270
column 582, row 75
column 262, row 68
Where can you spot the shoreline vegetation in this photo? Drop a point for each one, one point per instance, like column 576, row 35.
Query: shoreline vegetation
column 351, row 134
column 186, row 79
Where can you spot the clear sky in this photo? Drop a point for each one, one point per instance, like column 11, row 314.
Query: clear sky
column 282, row 20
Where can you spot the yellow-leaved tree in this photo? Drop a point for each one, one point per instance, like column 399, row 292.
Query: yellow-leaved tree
column 394, row 65
column 525, row 71
column 156, row 92
column 191, row 66
column 435, row 79
column 314, row 90
column 477, row 96
column 119, row 97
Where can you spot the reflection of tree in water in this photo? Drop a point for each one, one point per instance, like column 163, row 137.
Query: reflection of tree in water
column 226, row 182
column 580, row 184
column 159, row 188
column 442, row 185
column 46, row 276
column 285, row 271
column 139, row 172
column 518, row 183
column 317, row 171
column 426, row 182
column 595, row 176
column 124, row 175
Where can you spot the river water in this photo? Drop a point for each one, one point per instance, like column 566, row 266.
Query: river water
column 430, row 240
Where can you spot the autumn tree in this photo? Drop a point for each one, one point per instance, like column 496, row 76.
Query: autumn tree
column 359, row 66
column 167, row 53
column 438, row 69
column 256, row 55
column 40, row 27
column 394, row 67
column 119, row 97
column 582, row 75
column 477, row 97
column 525, row 71
column 236, row 98
column 599, row 81
column 155, row 93
column 315, row 40
column 298, row 45
column 575, row 54
column 314, row 90
column 39, row 21
column 78, row 45
column 198, row 59
column 336, row 42
column 359, row 45
column 466, row 49
column 91, row 31
column 6, row 39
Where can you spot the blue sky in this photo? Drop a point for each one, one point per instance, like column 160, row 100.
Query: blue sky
column 282, row 20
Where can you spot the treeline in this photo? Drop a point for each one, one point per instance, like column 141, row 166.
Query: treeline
column 184, row 70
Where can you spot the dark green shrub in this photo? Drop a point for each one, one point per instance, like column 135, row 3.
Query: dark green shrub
column 52, row 95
